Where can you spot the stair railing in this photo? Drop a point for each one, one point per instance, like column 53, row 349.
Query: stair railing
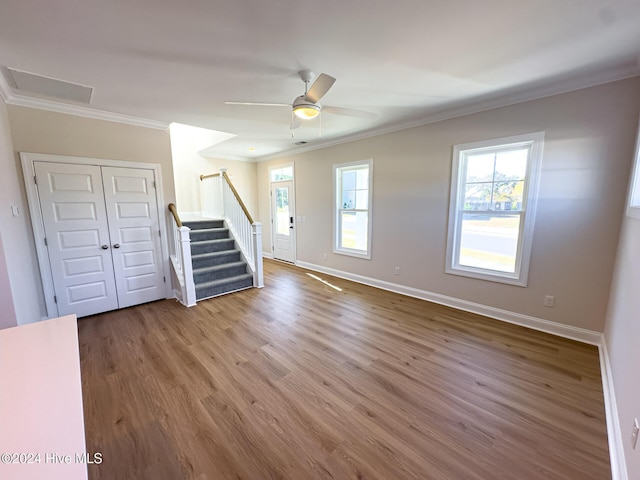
column 180, row 255
column 221, row 200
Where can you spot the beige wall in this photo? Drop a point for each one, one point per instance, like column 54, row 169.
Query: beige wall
column 188, row 165
column 40, row 131
column 11, row 228
column 189, row 168
column 622, row 334
column 587, row 152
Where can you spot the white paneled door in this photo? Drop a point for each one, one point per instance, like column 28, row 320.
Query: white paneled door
column 101, row 227
column 132, row 211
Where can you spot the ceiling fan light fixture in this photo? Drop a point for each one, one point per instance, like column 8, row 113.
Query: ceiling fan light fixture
column 306, row 111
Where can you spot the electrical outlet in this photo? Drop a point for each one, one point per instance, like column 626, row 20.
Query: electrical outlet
column 634, row 433
column 396, row 271
column 325, row 256
column 549, row 301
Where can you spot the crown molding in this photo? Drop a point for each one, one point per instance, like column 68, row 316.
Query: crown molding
column 12, row 98
column 225, row 156
column 484, row 104
column 5, row 90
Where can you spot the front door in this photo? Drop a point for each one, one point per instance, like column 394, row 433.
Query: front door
column 282, row 216
column 102, row 234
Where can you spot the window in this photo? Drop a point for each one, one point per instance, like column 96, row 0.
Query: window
column 282, row 210
column 280, row 174
column 633, row 209
column 492, row 208
column 352, row 209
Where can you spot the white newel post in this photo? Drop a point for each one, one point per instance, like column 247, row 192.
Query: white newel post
column 256, row 235
column 189, row 296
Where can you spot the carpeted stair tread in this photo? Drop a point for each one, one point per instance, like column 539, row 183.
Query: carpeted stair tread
column 223, row 289
column 205, row 246
column 204, row 224
column 209, row 230
column 221, row 253
column 209, row 234
column 215, row 241
column 222, row 281
column 217, row 268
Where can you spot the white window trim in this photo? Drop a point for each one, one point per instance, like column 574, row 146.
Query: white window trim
column 520, row 277
column 280, row 167
column 336, row 222
column 633, row 210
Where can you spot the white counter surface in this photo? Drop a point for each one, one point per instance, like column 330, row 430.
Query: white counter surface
column 41, row 417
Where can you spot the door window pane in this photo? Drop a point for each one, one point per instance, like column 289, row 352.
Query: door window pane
column 282, row 211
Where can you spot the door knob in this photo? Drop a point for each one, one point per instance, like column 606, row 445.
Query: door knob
column 104, row 247
column 116, row 245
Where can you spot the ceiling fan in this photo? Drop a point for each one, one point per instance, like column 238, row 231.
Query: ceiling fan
column 305, row 106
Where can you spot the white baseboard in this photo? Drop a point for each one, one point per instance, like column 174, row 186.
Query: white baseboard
column 614, row 434
column 267, row 255
column 566, row 331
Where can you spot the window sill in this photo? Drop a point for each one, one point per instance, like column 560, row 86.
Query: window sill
column 353, row 253
column 490, row 277
column 633, row 212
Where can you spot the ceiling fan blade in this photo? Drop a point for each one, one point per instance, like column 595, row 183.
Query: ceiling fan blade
column 320, row 87
column 349, row 112
column 259, row 104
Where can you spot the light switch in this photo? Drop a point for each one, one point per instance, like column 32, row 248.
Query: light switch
column 15, row 211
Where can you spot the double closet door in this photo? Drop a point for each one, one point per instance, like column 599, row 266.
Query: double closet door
column 102, row 235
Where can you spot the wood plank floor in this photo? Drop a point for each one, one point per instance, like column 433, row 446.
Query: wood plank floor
column 301, row 381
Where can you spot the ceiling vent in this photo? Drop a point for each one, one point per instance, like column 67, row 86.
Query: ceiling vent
column 29, row 84
column 301, row 142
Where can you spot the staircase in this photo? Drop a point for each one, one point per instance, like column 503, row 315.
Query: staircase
column 218, row 267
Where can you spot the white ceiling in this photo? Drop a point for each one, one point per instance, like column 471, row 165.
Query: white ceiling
column 408, row 61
